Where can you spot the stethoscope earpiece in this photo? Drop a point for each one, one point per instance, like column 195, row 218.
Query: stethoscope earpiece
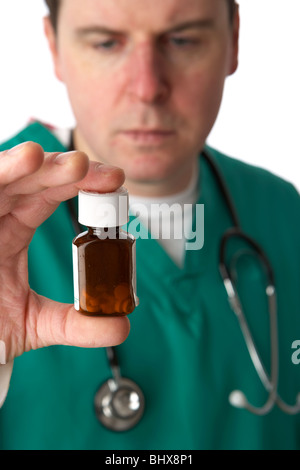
column 237, row 399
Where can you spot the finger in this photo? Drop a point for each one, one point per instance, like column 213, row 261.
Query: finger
column 33, row 210
column 20, row 161
column 56, row 170
column 100, row 178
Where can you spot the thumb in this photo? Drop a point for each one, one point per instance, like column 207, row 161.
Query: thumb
column 61, row 324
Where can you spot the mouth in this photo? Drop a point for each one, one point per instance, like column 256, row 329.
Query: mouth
column 148, row 136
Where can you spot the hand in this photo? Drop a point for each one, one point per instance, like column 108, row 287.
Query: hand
column 32, row 185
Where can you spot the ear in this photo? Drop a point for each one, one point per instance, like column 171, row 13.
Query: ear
column 235, row 42
column 51, row 37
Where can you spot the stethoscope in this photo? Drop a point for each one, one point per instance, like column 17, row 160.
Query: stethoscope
column 119, row 403
column 237, row 398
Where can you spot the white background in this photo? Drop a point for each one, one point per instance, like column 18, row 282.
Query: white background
column 259, row 118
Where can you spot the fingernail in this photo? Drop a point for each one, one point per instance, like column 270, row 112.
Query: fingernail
column 62, row 158
column 2, row 353
column 107, row 169
column 17, row 149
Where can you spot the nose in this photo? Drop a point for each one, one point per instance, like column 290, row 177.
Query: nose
column 147, row 80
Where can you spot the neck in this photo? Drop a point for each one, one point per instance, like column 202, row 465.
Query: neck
column 173, row 184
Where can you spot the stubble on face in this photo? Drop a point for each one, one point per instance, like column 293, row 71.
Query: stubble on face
column 138, row 108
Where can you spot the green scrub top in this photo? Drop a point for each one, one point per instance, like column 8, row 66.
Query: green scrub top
column 185, row 348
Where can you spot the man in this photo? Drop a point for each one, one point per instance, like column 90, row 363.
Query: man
column 145, row 80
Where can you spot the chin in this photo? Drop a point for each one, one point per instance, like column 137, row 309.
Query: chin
column 149, row 170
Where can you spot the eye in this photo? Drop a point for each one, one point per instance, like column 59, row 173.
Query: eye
column 181, row 41
column 106, row 45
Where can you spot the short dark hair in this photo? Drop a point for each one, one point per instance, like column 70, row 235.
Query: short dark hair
column 232, row 8
column 54, row 5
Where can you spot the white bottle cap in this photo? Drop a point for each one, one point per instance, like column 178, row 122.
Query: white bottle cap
column 103, row 209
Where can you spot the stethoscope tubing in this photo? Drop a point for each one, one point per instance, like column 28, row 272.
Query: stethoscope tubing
column 238, row 398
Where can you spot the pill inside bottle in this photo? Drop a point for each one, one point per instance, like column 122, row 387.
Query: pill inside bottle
column 104, row 267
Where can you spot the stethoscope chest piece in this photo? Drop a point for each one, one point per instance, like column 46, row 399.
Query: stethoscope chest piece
column 119, row 404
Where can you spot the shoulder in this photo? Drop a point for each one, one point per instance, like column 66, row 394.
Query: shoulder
column 240, row 173
column 268, row 206
column 254, row 185
column 39, row 133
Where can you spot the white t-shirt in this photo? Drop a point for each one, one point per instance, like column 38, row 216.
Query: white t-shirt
column 166, row 218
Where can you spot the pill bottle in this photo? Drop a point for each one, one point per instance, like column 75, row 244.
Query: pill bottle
column 104, row 268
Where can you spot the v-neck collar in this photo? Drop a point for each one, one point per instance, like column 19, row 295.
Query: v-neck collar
column 150, row 253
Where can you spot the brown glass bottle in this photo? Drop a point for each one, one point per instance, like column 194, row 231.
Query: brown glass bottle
column 104, row 269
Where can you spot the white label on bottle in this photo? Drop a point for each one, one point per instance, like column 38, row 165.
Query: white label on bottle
column 136, row 299
column 75, row 276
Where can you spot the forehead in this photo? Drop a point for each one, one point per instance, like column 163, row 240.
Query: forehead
column 154, row 14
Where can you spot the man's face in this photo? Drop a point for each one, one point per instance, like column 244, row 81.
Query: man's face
column 145, row 80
